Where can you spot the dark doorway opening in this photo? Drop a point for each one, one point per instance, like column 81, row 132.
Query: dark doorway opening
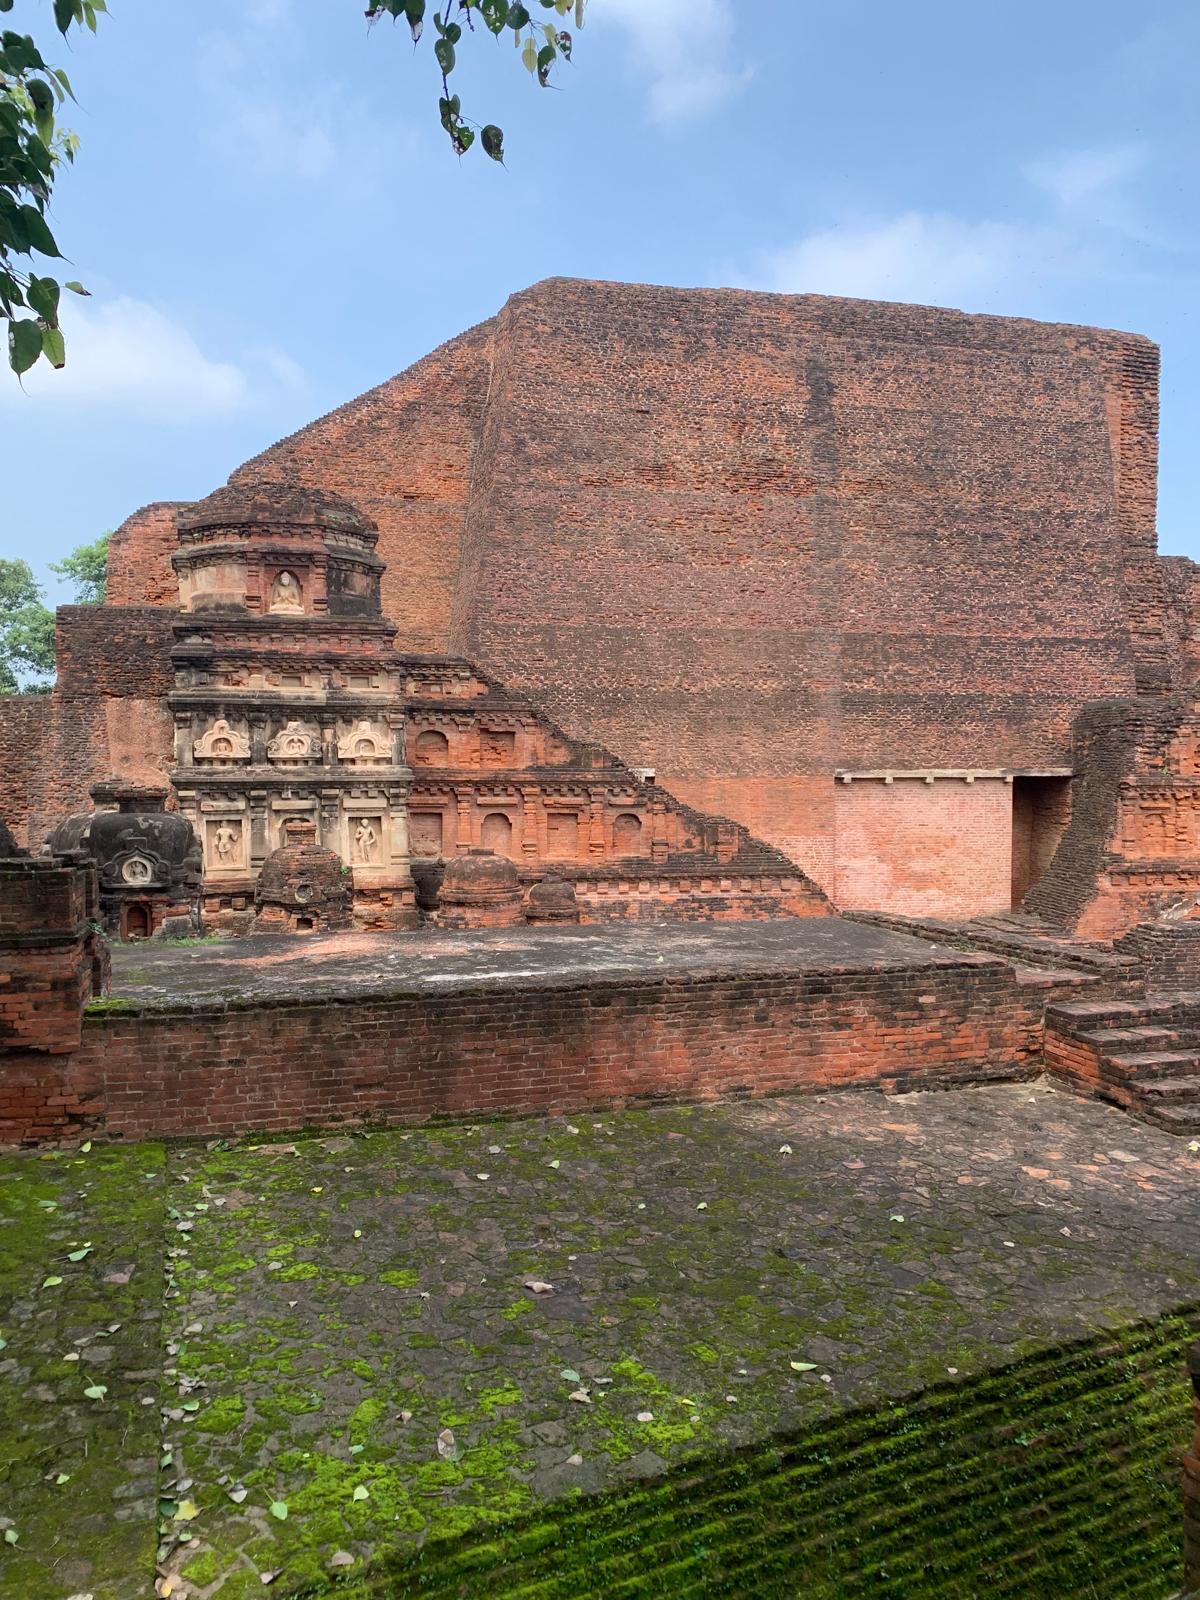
column 138, row 922
column 1041, row 811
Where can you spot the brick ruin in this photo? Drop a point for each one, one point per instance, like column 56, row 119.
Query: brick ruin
column 802, row 558
column 639, row 603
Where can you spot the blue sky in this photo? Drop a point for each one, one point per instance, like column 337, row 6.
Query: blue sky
column 271, row 221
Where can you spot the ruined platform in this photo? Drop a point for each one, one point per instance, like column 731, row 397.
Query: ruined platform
column 350, row 965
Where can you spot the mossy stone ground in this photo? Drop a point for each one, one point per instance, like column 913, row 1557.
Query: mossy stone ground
column 332, row 1349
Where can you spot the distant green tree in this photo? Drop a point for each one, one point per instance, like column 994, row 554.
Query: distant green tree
column 26, row 632
column 27, row 622
column 87, row 570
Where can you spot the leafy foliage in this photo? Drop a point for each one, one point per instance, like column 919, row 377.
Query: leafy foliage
column 27, row 622
column 33, row 145
column 541, row 44
column 86, row 569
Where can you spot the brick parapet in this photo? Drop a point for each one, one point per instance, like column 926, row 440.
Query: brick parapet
column 492, row 1049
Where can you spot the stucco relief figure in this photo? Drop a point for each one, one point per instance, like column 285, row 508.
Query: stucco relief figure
column 285, row 594
column 364, row 743
column 296, row 742
column 137, row 870
column 222, row 742
column 227, row 842
column 366, row 841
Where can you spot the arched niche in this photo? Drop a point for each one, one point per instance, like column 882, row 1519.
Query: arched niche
column 431, row 749
column 496, row 833
column 627, row 834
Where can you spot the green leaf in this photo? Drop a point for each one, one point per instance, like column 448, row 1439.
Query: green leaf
column 545, row 60
column 51, row 1282
column 444, row 51
column 186, row 1511
column 39, row 235
column 95, row 1391
column 360, row 1493
column 550, row 32
column 492, row 139
column 77, row 288
column 279, row 1509
column 803, row 1366
column 65, row 13
column 11, row 1536
column 75, row 1255
column 42, row 295
column 580, row 7
column 494, row 13
column 518, row 17
column 569, row 1375
column 414, row 10
column 565, row 44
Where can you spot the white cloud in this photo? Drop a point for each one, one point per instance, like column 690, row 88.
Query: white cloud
column 919, row 257
column 978, row 264
column 1074, row 178
column 686, row 45
column 131, row 358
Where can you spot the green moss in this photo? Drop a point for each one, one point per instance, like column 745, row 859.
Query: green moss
column 203, row 1569
column 518, row 1308
column 222, row 1416
column 114, row 1006
column 298, row 1271
column 505, row 1394
column 400, row 1278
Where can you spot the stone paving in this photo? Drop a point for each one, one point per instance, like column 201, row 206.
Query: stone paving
column 354, row 964
column 337, row 1346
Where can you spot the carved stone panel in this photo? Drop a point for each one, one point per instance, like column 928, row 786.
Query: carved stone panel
column 222, row 742
column 366, row 744
column 298, row 741
column 286, row 595
column 366, row 841
column 225, row 844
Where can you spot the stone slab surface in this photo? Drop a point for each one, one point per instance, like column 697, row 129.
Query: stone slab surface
column 329, row 965
column 313, row 1316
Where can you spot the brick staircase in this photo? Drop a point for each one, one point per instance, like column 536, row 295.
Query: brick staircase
column 1143, row 1055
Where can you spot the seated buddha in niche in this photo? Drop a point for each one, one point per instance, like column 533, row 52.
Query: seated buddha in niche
column 285, row 593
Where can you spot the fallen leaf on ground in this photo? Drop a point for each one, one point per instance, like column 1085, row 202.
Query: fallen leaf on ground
column 645, row 1416
column 361, row 1493
column 279, row 1509
column 537, row 1286
column 580, row 1396
column 803, row 1366
column 445, row 1443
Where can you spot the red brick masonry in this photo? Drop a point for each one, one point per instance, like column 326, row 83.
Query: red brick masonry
column 260, row 1065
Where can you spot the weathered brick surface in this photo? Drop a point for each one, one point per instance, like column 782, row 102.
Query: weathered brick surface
column 139, row 557
column 272, row 1066
column 51, row 961
column 24, row 724
column 1131, row 850
column 108, row 715
column 936, row 849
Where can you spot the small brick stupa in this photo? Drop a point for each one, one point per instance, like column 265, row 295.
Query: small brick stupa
column 304, row 888
column 480, row 890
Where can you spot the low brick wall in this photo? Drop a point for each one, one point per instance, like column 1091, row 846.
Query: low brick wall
column 260, row 1065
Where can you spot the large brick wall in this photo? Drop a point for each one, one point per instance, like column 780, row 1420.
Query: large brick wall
column 748, row 538
column 262, row 1066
